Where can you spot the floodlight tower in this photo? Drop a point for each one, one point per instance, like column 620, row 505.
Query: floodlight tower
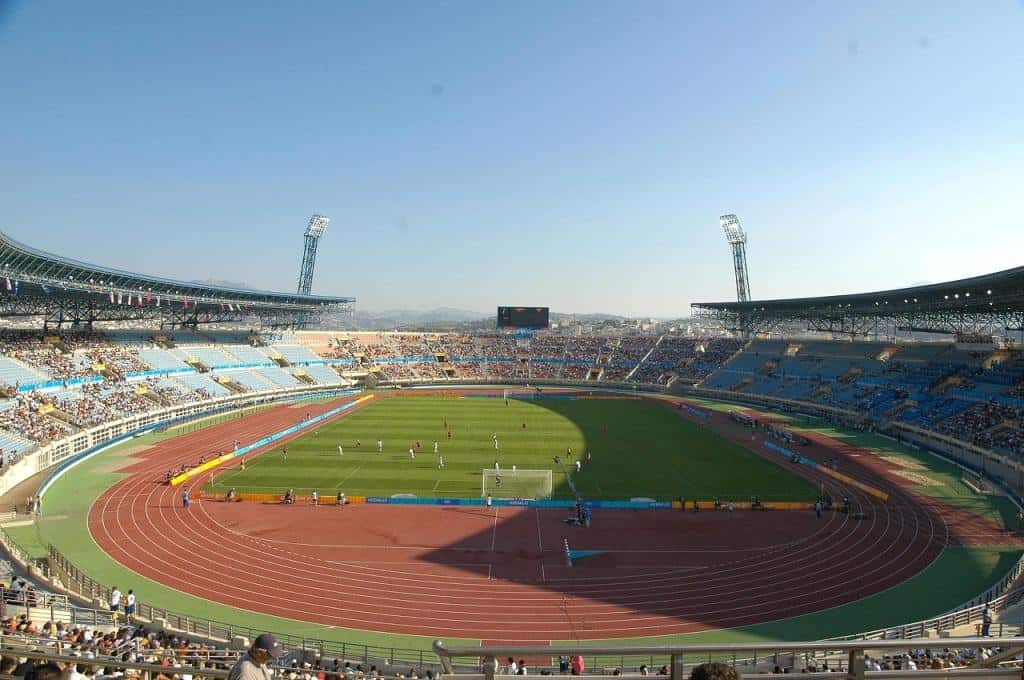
column 317, row 227
column 738, row 240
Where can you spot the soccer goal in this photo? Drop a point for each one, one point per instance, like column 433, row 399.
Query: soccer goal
column 518, row 484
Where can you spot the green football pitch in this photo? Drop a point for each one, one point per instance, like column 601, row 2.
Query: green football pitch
column 638, row 449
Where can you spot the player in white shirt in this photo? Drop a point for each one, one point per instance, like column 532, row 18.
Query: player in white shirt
column 380, row 446
column 435, row 447
column 341, row 451
column 412, row 453
column 440, row 462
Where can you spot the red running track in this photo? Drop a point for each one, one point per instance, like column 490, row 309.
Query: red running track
column 498, row 573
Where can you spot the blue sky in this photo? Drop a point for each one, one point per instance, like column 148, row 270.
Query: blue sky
column 575, row 154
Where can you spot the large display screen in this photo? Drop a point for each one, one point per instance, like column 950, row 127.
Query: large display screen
column 523, row 317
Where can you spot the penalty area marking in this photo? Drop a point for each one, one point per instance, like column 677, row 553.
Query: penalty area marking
column 349, row 476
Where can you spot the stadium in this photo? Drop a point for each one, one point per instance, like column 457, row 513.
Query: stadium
column 515, row 407
column 525, row 487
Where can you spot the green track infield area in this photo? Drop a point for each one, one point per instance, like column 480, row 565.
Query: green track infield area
column 638, row 448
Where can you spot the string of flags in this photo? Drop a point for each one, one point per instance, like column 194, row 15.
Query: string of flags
column 131, row 298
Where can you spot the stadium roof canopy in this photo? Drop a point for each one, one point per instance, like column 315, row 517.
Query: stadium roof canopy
column 978, row 306
column 63, row 290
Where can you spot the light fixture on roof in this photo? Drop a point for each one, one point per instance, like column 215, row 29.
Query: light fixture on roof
column 989, row 291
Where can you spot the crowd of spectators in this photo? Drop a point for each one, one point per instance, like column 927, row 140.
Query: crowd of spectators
column 584, row 349
column 977, row 423
column 24, row 419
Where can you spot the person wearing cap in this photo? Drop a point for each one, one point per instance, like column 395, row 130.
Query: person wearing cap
column 253, row 664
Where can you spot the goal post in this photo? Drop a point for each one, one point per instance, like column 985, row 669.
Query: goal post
column 518, row 484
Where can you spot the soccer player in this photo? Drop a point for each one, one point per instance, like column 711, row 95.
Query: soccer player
column 284, row 450
column 579, row 465
column 435, row 447
column 440, row 462
column 380, row 446
column 241, row 466
column 341, row 451
column 513, row 468
column 412, row 453
column 449, row 434
column 495, row 444
column 497, row 468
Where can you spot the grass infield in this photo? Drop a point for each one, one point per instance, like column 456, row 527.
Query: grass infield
column 638, row 449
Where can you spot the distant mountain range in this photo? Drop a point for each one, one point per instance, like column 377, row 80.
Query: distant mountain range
column 396, row 319
column 439, row 319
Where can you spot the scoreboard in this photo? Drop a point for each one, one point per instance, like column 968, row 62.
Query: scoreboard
column 523, row 317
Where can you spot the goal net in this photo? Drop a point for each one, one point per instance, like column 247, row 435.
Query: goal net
column 518, row 484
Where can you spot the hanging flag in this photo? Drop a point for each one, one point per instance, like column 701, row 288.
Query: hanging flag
column 149, row 296
column 140, row 300
column 111, row 297
column 157, row 300
column 119, row 297
column 129, row 298
column 186, row 303
column 8, row 284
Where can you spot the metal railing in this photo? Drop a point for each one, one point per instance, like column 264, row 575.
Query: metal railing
column 81, row 584
column 678, row 659
column 145, row 671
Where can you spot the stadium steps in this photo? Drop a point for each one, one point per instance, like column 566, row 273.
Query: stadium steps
column 63, row 418
column 230, row 384
column 58, row 344
column 629, row 376
column 155, row 398
column 742, row 385
column 303, row 377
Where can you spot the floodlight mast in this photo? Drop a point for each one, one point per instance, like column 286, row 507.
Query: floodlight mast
column 316, row 228
column 738, row 240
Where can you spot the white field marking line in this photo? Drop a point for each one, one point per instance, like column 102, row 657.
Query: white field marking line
column 540, row 543
column 349, row 476
column 494, row 531
column 542, row 578
column 405, row 563
column 436, row 484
